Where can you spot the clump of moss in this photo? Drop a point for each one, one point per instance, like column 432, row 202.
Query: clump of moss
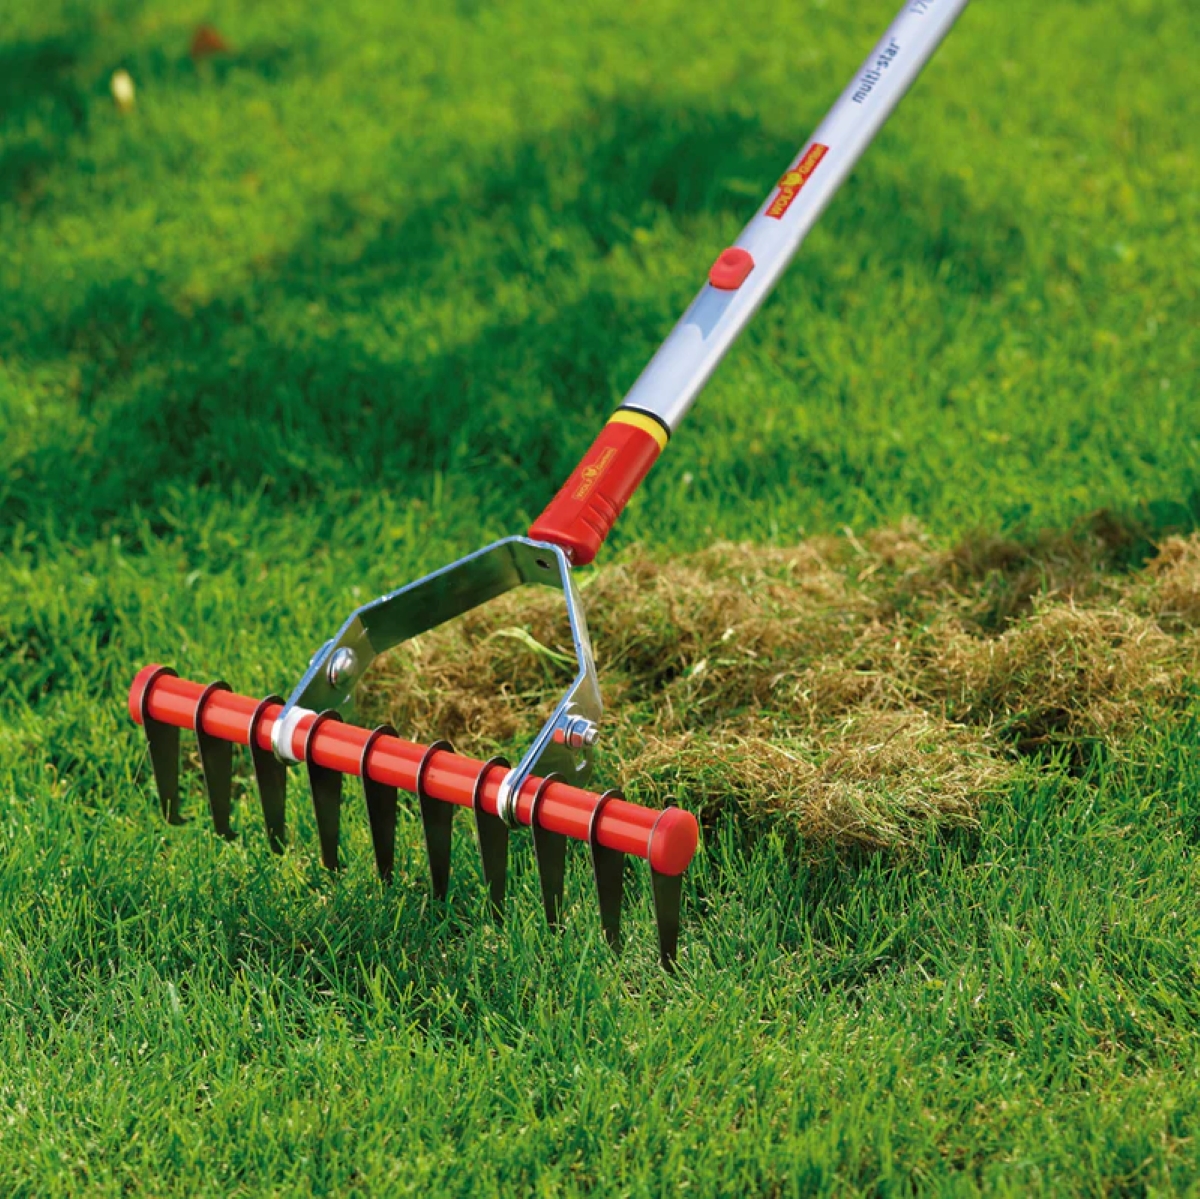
column 860, row 690
column 878, row 780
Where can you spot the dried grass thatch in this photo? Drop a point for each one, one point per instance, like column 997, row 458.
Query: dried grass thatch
column 861, row 690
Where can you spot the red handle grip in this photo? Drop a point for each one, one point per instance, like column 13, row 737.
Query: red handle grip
column 666, row 839
column 581, row 516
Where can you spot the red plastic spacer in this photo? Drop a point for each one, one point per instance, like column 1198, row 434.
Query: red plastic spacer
column 729, row 272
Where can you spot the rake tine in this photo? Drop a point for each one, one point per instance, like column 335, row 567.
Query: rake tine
column 216, row 763
column 270, row 775
column 163, row 740
column 608, row 866
column 668, row 898
column 437, row 819
column 381, row 809
column 326, row 786
column 550, row 853
column 492, row 834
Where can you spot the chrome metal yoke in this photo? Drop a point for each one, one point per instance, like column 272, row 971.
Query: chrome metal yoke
column 566, row 742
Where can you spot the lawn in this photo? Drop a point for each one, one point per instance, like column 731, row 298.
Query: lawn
column 324, row 312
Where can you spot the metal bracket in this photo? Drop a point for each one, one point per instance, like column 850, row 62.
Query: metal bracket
column 565, row 743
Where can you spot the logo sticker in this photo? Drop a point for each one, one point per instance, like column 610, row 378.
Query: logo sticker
column 590, row 475
column 795, row 179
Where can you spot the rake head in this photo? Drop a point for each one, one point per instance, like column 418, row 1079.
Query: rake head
column 544, row 791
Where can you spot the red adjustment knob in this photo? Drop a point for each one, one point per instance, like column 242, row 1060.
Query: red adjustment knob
column 729, row 272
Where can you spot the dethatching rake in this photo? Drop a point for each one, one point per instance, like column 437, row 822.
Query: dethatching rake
column 546, row 789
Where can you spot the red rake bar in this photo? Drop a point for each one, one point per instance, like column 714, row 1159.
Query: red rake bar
column 551, row 807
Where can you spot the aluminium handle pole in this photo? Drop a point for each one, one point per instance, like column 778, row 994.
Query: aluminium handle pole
column 669, row 385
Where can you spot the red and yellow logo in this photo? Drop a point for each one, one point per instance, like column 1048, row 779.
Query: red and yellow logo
column 589, row 476
column 795, row 179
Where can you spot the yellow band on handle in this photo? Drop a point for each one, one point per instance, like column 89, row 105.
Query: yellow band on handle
column 639, row 420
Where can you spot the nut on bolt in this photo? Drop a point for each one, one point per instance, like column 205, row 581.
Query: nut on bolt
column 580, row 733
column 342, row 666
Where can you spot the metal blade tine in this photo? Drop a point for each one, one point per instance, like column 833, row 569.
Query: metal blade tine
column 492, row 834
column 668, row 898
column 163, row 740
column 550, row 852
column 608, row 867
column 437, row 819
column 164, row 758
column 326, row 787
column 216, row 762
column 381, row 809
column 270, row 774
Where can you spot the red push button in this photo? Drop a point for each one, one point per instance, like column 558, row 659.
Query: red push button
column 730, row 270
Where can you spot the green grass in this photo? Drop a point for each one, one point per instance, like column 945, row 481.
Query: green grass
column 325, row 314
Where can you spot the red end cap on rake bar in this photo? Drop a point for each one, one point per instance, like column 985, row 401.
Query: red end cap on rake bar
column 583, row 513
column 138, row 688
column 673, row 841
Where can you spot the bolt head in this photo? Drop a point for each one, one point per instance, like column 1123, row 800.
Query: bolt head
column 342, row 666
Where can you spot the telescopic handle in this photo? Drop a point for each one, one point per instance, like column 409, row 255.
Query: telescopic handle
column 581, row 515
